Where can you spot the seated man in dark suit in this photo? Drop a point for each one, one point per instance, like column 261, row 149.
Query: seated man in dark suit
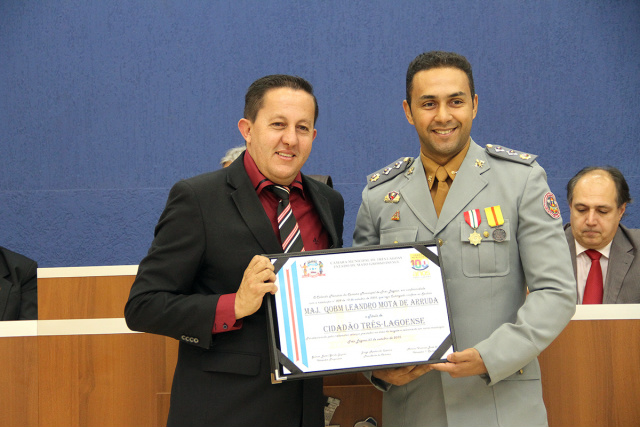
column 203, row 281
column 604, row 252
column 18, row 286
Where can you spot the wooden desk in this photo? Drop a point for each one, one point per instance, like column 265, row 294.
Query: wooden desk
column 93, row 371
column 591, row 372
column 19, row 373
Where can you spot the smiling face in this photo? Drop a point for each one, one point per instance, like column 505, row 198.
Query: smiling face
column 595, row 214
column 442, row 111
column 280, row 138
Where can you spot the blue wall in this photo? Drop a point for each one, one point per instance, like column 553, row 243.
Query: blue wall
column 104, row 105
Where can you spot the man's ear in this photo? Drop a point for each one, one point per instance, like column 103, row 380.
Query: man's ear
column 244, row 126
column 622, row 209
column 475, row 106
column 407, row 111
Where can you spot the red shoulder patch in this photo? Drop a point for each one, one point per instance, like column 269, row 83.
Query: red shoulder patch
column 550, row 205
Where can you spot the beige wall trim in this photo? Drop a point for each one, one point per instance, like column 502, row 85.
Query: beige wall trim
column 19, row 328
column 83, row 327
column 102, row 270
column 607, row 312
column 29, row 328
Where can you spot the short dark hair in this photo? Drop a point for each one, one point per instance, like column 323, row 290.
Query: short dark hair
column 254, row 98
column 438, row 59
column 622, row 188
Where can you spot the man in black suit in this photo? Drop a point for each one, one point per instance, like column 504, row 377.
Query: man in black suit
column 203, row 281
column 18, row 286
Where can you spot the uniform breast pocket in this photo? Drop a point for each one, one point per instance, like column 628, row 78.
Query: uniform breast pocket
column 398, row 235
column 491, row 256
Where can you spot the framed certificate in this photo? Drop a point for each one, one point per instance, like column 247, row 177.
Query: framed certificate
column 358, row 309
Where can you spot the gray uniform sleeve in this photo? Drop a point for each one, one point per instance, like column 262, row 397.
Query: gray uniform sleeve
column 547, row 267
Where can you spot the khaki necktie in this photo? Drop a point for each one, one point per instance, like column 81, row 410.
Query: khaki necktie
column 443, row 189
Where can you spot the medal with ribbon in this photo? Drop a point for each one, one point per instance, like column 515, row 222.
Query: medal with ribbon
column 472, row 218
column 495, row 219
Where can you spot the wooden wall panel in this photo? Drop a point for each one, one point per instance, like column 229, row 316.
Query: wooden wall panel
column 83, row 297
column 100, row 380
column 591, row 374
column 19, row 382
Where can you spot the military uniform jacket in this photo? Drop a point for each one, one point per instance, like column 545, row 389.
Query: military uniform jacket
column 487, row 286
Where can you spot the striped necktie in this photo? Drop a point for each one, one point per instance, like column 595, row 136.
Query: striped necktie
column 289, row 231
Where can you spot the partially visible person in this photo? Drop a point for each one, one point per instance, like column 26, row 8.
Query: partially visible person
column 203, row 281
column 603, row 251
column 325, row 179
column 231, row 155
column 18, row 286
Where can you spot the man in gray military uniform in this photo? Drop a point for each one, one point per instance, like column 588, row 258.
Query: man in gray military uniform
column 499, row 231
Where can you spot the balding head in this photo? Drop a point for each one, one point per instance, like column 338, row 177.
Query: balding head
column 596, row 206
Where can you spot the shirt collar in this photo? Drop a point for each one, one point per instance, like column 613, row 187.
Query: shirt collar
column 452, row 166
column 259, row 181
column 604, row 251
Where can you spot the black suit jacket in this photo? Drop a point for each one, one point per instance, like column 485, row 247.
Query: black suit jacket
column 212, row 225
column 622, row 284
column 18, row 286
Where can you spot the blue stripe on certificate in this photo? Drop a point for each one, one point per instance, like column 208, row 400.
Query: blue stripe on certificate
column 285, row 314
column 298, row 305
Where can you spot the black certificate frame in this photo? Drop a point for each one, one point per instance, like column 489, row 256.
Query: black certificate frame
column 279, row 361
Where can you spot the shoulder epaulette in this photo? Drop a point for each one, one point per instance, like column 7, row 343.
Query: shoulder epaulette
column 389, row 172
column 509, row 154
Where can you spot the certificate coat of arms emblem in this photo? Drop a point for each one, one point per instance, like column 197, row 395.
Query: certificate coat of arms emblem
column 312, row 269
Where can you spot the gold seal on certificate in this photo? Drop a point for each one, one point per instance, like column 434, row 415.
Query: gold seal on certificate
column 352, row 310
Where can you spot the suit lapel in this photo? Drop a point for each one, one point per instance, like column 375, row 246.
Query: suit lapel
column 322, row 208
column 572, row 248
column 468, row 183
column 246, row 200
column 572, row 251
column 620, row 259
column 416, row 195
